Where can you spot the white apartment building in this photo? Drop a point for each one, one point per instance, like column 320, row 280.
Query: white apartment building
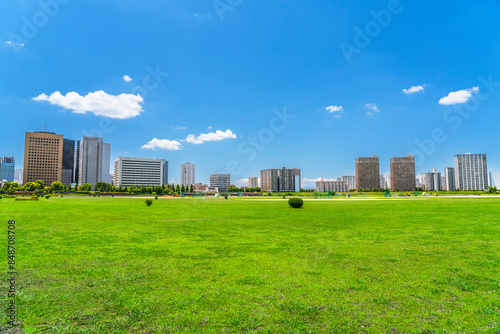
column 140, row 172
column 323, row 186
column 188, row 174
column 350, row 180
column 471, row 172
column 253, row 182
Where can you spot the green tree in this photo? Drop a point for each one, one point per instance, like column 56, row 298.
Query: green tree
column 191, row 189
column 177, row 188
column 30, row 186
column 102, row 187
column 183, row 189
column 56, row 186
column 85, row 187
column 40, row 185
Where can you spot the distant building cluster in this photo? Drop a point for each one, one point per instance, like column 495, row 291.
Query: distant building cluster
column 470, row 173
column 280, row 180
column 50, row 157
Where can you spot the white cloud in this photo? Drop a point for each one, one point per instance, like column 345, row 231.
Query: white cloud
column 338, row 110
column 174, row 145
column 14, row 44
column 414, row 89
column 373, row 109
column 312, row 182
column 211, row 136
column 176, row 127
column 127, row 78
column 462, row 96
column 335, row 109
column 163, row 144
column 99, row 103
column 210, row 128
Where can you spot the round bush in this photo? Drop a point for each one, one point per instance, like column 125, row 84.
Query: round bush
column 296, row 202
column 149, row 202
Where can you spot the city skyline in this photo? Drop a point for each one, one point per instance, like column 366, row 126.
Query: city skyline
column 239, row 104
column 69, row 152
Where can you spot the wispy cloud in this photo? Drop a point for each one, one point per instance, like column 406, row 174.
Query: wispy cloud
column 462, row 96
column 373, row 109
column 163, row 144
column 211, row 136
column 337, row 110
column 414, row 89
column 99, row 103
column 14, row 44
column 176, row 127
column 127, row 78
column 241, row 182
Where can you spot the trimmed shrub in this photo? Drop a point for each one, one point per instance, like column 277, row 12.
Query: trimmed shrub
column 296, row 202
column 47, row 196
column 156, row 196
column 225, row 196
column 149, row 202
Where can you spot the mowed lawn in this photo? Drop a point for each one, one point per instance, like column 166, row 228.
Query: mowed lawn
column 110, row 265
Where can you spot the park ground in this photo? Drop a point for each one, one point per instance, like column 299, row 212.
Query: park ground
column 115, row 265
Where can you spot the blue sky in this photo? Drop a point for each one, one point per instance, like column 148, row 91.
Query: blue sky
column 209, row 78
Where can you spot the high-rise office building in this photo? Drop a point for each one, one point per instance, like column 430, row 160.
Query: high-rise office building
column 220, row 182
column 367, row 173
column 92, row 157
column 403, row 173
column 7, row 169
column 106, row 160
column 449, row 179
column 471, row 172
column 420, row 181
column 18, row 176
column 68, row 161
column 43, row 153
column 383, row 184
column 253, row 182
column 433, row 181
column 140, row 172
column 188, row 174
column 76, row 169
column 388, row 180
column 495, row 179
column 165, row 172
column 280, row 180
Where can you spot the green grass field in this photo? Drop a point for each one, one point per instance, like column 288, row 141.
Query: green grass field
column 109, row 265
